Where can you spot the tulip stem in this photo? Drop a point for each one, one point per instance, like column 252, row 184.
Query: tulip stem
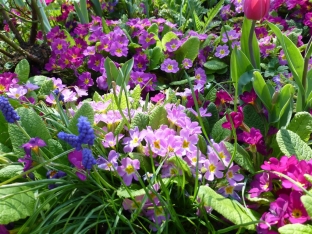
column 251, row 33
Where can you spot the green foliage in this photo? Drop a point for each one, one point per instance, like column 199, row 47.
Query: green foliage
column 136, row 96
column 46, row 88
column 10, row 171
column 16, row 204
column 202, row 144
column 244, row 42
column 291, row 144
column 85, row 110
column 18, row 139
column 253, row 119
column 167, row 38
column 224, row 206
column 295, row 229
column 4, row 134
column 22, row 70
column 307, row 203
column 156, row 56
column 301, row 124
column 140, row 120
column 262, row 90
column 33, row 124
column 219, row 133
column 241, row 157
column 215, row 65
column 189, row 50
column 211, row 14
column 158, row 117
column 82, row 11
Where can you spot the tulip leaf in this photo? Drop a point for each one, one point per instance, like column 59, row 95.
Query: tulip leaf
column 244, row 42
column 262, row 90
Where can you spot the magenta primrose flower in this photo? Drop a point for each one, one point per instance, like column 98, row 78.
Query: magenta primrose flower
column 75, row 158
column 128, row 169
column 85, row 80
column 170, row 66
column 236, row 118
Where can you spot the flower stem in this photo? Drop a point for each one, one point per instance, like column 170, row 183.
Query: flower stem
column 251, row 33
column 305, row 71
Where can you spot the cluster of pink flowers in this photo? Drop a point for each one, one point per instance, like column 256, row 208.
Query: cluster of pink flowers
column 287, row 206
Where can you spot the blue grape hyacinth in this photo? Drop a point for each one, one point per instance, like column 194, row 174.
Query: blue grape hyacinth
column 8, row 111
column 87, row 159
column 86, row 133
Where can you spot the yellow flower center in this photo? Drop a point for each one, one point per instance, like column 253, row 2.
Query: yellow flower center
column 229, row 189
column 296, row 213
column 97, row 63
column 212, row 168
column 135, row 140
column 185, row 144
column 169, row 67
column 59, row 46
column 230, row 174
column 157, row 144
column 140, row 80
column 129, row 169
column 2, row 87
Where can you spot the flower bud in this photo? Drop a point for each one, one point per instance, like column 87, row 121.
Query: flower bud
column 256, row 9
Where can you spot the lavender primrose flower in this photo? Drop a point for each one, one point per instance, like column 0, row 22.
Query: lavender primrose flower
column 187, row 63
column 134, row 140
column 109, row 164
column 222, row 51
column 128, row 169
column 8, row 111
column 170, row 66
column 173, row 45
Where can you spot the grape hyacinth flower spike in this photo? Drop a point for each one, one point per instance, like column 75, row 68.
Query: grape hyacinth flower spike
column 8, row 111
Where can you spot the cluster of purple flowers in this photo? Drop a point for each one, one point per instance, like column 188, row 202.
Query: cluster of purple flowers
column 8, row 111
column 287, row 206
column 86, row 136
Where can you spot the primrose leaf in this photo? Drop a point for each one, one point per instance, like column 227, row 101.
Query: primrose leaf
column 16, row 204
column 225, row 206
column 291, row 144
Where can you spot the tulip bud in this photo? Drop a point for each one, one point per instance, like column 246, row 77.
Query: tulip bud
column 256, row 9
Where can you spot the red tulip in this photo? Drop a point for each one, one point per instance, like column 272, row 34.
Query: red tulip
column 256, row 9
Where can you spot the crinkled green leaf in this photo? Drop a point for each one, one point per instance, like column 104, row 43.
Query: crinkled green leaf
column 301, row 124
column 219, row 133
column 158, row 117
column 97, row 97
column 37, row 80
column 10, row 171
column 228, row 208
column 18, row 139
column 252, row 118
column 136, row 96
column 242, row 158
column 308, row 178
column 46, row 88
column 4, row 134
column 215, row 65
column 140, row 120
column 307, row 203
column 85, row 110
column 22, row 70
column 291, row 144
column 33, row 124
column 295, row 229
column 18, row 206
column 145, row 162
